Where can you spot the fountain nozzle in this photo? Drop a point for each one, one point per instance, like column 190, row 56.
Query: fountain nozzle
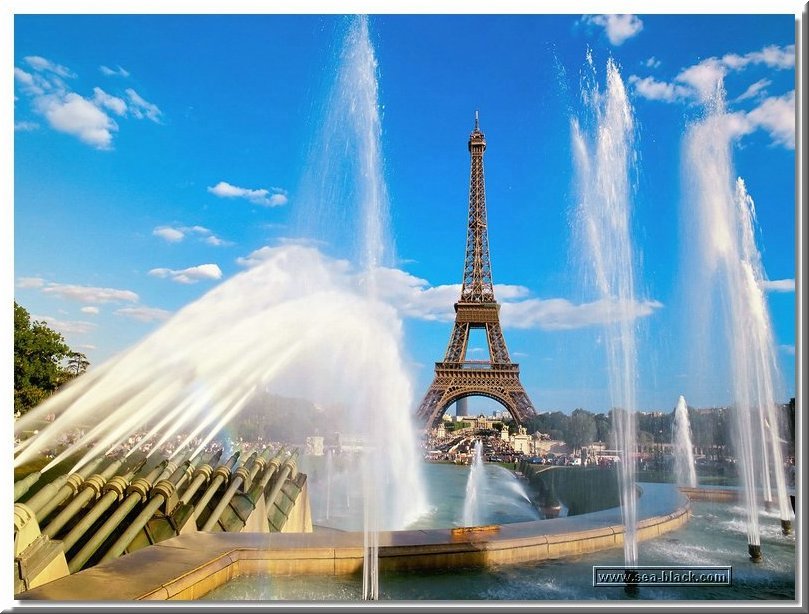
column 786, row 527
column 754, row 550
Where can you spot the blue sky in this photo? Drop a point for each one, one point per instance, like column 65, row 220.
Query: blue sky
column 154, row 155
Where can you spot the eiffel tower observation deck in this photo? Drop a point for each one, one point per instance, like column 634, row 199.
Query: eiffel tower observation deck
column 456, row 377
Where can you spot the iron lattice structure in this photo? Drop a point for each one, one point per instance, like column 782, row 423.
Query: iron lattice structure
column 456, row 377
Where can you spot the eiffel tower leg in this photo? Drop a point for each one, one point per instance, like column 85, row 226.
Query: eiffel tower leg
column 429, row 412
column 522, row 408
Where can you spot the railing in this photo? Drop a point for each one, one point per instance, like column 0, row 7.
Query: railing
column 477, row 365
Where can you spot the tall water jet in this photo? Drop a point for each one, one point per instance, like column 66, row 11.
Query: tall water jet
column 342, row 199
column 475, row 484
column 726, row 276
column 685, row 472
column 603, row 146
column 346, row 175
column 329, row 478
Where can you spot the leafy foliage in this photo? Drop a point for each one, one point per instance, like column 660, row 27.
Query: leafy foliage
column 38, row 355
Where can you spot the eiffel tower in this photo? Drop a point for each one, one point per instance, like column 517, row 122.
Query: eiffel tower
column 456, row 377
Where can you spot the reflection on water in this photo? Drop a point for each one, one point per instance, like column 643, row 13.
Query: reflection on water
column 337, row 503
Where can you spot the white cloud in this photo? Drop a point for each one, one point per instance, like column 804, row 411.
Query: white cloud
column 216, row 241
column 190, row 275
column 414, row 298
column 787, row 349
column 66, row 326
column 619, row 28
column 113, row 103
column 32, row 84
column 174, row 234
column 113, row 72
column 652, row 62
column 772, row 56
column 66, row 111
column 27, row 80
column 734, row 124
column 91, row 310
column 776, row 115
column 144, row 314
column 30, row 282
column 561, row 314
column 754, row 90
column 25, row 126
column 141, row 108
column 256, row 257
column 778, row 285
column 261, row 196
column 652, row 89
column 701, row 80
column 43, row 65
column 80, row 117
column 704, row 77
column 89, row 294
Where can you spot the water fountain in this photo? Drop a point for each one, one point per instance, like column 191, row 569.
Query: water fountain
column 603, row 158
column 346, row 174
column 475, row 485
column 329, row 478
column 685, row 472
column 329, row 308
column 314, row 315
column 726, row 276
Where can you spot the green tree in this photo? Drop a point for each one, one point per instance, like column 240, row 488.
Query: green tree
column 603, row 427
column 581, row 428
column 38, row 354
column 77, row 363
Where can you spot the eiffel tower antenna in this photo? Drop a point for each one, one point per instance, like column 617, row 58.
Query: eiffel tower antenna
column 456, row 377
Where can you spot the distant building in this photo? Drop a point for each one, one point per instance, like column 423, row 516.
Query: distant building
column 462, row 407
column 314, row 446
column 521, row 441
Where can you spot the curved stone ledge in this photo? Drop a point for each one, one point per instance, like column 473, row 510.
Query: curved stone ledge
column 724, row 495
column 189, row 566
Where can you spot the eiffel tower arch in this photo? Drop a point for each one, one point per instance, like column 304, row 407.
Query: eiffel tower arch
column 456, row 377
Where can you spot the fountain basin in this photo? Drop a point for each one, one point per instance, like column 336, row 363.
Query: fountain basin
column 190, row 566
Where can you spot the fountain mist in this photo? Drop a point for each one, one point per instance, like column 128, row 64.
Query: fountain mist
column 475, row 485
column 309, row 332
column 725, row 272
column 684, row 471
column 295, row 324
column 346, row 175
column 603, row 161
